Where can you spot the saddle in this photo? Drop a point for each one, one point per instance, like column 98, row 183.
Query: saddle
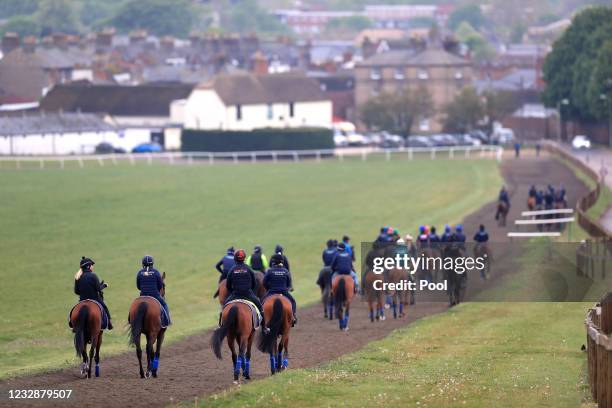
column 165, row 319
column 104, row 323
column 254, row 311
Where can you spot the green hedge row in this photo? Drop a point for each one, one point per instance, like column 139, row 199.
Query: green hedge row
column 258, row 139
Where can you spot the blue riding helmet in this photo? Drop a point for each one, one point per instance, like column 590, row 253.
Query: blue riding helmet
column 422, row 229
column 257, row 249
column 459, row 228
column 447, row 228
column 278, row 249
column 341, row 246
column 230, row 250
column 147, row 260
column 86, row 262
column 330, row 243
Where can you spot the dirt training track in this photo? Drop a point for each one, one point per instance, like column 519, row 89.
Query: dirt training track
column 189, row 369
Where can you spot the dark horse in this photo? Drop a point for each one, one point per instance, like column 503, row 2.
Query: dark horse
column 502, row 213
column 237, row 326
column 457, row 282
column 145, row 318
column 277, row 309
column 86, row 319
column 343, row 288
column 222, row 292
column 260, row 290
column 324, row 282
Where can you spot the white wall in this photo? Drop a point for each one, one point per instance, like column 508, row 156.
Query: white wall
column 204, row 110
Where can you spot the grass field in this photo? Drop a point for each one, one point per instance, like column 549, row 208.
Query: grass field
column 475, row 355
column 186, row 217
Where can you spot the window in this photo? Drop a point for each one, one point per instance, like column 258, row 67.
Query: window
column 270, row 112
column 238, row 112
column 399, row 74
column 375, row 74
column 291, row 109
column 423, row 74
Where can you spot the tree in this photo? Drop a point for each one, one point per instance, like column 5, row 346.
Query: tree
column 498, row 105
column 470, row 14
column 396, row 112
column 57, row 16
column 600, row 83
column 22, row 25
column 570, row 65
column 247, row 16
column 159, row 17
column 10, row 8
column 464, row 112
column 479, row 47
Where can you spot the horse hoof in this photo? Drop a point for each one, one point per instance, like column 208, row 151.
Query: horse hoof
column 246, row 377
column 383, row 318
column 236, row 382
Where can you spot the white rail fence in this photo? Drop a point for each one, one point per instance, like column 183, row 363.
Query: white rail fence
column 211, row 158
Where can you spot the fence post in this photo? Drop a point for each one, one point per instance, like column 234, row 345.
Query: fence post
column 274, row 157
column 100, row 161
column 190, row 159
column 62, row 163
column 17, row 163
column 80, row 162
column 433, row 153
column 42, row 163
column 467, row 153
column 410, row 153
column 253, row 157
column 235, row 155
column 363, row 155
column 211, row 159
column 451, row 153
column 604, row 356
column 132, row 160
column 340, row 156
column 387, row 154
column 318, row 156
column 296, row 158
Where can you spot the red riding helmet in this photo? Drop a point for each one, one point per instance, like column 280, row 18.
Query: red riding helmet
column 239, row 255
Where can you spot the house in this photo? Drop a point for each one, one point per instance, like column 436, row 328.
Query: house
column 58, row 133
column 247, row 101
column 441, row 73
column 143, row 111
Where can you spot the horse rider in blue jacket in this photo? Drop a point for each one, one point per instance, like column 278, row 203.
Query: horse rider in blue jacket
column 150, row 282
column 481, row 236
column 343, row 265
column 539, row 199
column 329, row 253
column 446, row 237
column 226, row 263
column 278, row 281
column 241, row 283
column 349, row 248
column 88, row 286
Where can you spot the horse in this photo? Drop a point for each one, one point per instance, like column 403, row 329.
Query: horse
column 343, row 288
column 400, row 297
column 502, row 213
column 559, row 205
column 374, row 296
column 324, row 282
column 277, row 309
column 222, row 292
column 531, row 203
column 481, row 250
column 86, row 319
column 457, row 282
column 260, row 290
column 424, row 271
column 145, row 318
column 237, row 326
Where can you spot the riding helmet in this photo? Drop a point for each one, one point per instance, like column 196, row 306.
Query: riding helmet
column 147, row 260
column 257, row 249
column 447, row 228
column 459, row 228
column 86, row 262
column 346, row 238
column 239, row 255
column 278, row 249
column 330, row 243
column 276, row 259
column 341, row 246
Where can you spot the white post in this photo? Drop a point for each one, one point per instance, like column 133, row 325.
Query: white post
column 499, row 154
column 100, row 162
column 296, row 157
column 42, row 163
column 17, row 162
column 235, row 158
column 150, row 159
column 451, row 153
column 410, row 153
column 363, row 155
column 467, row 153
column 80, row 162
column 190, row 159
column 387, row 155
column 318, row 156
column 433, row 153
column 62, row 163
column 171, row 158
column 340, row 156
column 274, row 157
column 211, row 159
column 482, row 151
column 132, row 161
column 253, row 158
column 114, row 158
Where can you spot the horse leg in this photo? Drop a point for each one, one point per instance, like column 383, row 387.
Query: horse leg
column 285, row 343
column 371, row 306
column 235, row 360
column 158, row 344
column 97, row 357
column 139, row 355
column 381, row 306
column 346, row 317
column 240, row 361
column 92, row 351
column 279, row 356
column 246, row 369
column 84, row 364
column 149, row 350
column 394, row 305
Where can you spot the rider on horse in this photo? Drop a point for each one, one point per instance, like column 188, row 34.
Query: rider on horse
column 481, row 236
column 560, row 196
column 329, row 253
column 257, row 261
column 539, row 199
column 349, row 248
column 226, row 263
column 343, row 264
column 280, row 250
column 549, row 198
column 434, row 239
column 88, row 286
column 503, row 198
column 533, row 191
column 423, row 238
column 241, row 282
column 278, row 281
column 446, row 237
column 149, row 281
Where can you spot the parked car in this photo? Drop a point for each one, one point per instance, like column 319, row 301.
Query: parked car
column 501, row 135
column 107, row 148
column 147, row 148
column 466, row 140
column 444, row 140
column 480, row 135
column 391, row 141
column 419, row 141
column 348, row 131
column 581, row 142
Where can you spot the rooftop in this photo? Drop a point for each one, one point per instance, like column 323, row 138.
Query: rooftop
column 48, row 123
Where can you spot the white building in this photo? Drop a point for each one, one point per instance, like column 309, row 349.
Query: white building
column 248, row 101
column 60, row 134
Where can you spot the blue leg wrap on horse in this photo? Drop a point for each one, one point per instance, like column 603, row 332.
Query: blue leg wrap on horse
column 238, row 365
column 247, row 366
column 155, row 363
column 272, row 361
column 97, row 370
column 285, row 362
column 279, row 358
column 401, row 308
column 371, row 314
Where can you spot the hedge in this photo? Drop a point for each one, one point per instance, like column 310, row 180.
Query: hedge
column 258, row 139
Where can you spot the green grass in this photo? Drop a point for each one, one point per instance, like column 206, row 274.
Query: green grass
column 186, row 217
column 475, row 355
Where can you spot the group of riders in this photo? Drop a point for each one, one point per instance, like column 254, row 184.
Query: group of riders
column 546, row 199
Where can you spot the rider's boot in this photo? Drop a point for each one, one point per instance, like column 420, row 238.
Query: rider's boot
column 220, row 314
column 294, row 320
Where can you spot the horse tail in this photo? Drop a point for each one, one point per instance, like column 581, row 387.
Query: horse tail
column 219, row 334
column 137, row 324
column 80, row 330
column 340, row 293
column 275, row 324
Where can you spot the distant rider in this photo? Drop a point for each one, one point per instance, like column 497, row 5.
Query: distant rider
column 446, row 237
column 343, row 264
column 281, row 251
column 226, row 263
column 88, row 286
column 481, row 236
column 149, row 281
column 327, row 256
column 504, row 198
column 241, row 283
column 257, row 260
column 278, row 281
column 349, row 248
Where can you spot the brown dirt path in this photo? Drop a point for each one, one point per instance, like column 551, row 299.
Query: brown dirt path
column 189, row 369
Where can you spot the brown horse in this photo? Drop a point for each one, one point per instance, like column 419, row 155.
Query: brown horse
column 343, row 288
column 400, row 297
column 237, row 326
column 502, row 213
column 324, row 282
column 86, row 319
column 374, row 296
column 531, row 203
column 260, row 290
column 145, row 318
column 222, row 292
column 277, row 309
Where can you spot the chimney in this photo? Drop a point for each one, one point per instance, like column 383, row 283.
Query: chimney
column 10, row 41
column 105, row 38
column 29, row 44
column 60, row 40
column 260, row 64
column 138, row 36
column 167, row 43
